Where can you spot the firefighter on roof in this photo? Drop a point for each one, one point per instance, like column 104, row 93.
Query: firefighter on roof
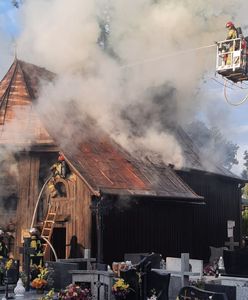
column 59, row 170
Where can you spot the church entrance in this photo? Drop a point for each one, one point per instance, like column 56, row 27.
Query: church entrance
column 58, row 241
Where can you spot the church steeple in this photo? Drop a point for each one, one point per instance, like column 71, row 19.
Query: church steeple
column 19, row 122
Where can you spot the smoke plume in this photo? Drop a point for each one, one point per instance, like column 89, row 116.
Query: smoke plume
column 125, row 62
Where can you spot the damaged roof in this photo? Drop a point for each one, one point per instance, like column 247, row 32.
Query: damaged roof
column 103, row 164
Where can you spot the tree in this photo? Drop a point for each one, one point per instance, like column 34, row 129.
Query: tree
column 212, row 142
column 244, row 173
column 245, row 221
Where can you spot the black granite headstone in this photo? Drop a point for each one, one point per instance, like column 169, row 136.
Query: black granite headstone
column 142, row 279
column 236, row 262
column 191, row 292
column 159, row 283
column 230, row 291
column 61, row 275
column 131, row 277
column 135, row 258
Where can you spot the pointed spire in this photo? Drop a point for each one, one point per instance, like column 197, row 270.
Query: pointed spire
column 14, row 43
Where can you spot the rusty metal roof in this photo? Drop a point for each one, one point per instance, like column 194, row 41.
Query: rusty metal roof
column 108, row 168
column 98, row 160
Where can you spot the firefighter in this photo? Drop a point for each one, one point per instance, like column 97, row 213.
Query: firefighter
column 59, row 169
column 232, row 31
column 3, row 247
column 231, row 35
column 35, row 243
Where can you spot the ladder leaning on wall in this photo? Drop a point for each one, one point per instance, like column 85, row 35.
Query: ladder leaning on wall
column 48, row 225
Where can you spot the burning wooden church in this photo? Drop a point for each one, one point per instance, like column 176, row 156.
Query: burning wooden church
column 114, row 203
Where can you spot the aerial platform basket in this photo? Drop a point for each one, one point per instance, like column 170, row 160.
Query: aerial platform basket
column 231, row 60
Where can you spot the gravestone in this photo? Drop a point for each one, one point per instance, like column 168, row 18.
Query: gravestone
column 61, row 275
column 160, row 283
column 184, row 264
column 83, row 263
column 100, row 282
column 230, row 291
column 191, row 292
column 135, row 258
column 142, row 279
column 236, row 262
column 131, row 277
column 216, row 253
column 179, row 268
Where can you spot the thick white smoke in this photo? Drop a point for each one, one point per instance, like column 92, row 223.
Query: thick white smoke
column 120, row 83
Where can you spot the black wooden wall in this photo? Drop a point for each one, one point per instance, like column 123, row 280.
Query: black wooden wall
column 170, row 227
column 223, row 202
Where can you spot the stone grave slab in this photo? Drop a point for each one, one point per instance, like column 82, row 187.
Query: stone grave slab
column 174, row 264
column 61, row 276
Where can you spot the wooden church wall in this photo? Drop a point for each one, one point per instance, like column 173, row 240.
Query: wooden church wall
column 74, row 211
column 82, row 220
column 223, row 202
column 28, row 167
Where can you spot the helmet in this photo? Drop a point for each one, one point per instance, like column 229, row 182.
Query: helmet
column 33, row 231
column 61, row 157
column 229, row 24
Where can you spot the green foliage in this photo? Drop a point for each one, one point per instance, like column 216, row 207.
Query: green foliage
column 245, row 222
column 244, row 173
column 48, row 296
column 245, row 192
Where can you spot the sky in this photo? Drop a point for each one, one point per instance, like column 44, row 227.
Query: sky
column 139, row 33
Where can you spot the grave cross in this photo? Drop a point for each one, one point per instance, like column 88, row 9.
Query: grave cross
column 231, row 243
column 185, row 268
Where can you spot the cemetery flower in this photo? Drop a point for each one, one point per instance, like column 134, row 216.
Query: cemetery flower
column 39, row 283
column 210, row 269
column 74, row 292
column 43, row 272
column 48, row 296
column 120, row 288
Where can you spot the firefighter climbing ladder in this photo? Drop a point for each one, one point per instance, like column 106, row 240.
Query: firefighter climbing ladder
column 48, row 225
column 50, row 213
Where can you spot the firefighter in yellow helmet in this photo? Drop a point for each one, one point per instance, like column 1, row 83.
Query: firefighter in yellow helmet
column 35, row 243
